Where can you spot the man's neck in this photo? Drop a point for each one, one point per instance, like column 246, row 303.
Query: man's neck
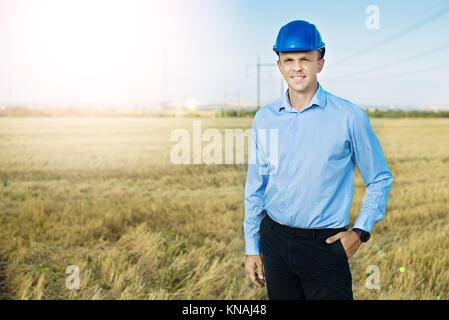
column 300, row 100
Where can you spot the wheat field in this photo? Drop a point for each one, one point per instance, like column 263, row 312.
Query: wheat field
column 101, row 194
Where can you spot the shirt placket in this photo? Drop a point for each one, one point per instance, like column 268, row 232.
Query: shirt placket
column 293, row 147
column 290, row 158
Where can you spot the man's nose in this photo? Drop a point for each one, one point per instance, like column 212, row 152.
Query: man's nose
column 297, row 66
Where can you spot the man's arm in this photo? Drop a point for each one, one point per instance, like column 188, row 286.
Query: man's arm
column 369, row 157
column 256, row 181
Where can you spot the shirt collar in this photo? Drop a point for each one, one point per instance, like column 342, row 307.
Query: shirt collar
column 319, row 99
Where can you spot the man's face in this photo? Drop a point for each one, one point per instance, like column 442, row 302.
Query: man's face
column 300, row 68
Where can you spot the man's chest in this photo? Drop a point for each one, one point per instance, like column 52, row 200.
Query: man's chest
column 306, row 139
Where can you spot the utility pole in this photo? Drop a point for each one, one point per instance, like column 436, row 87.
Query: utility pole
column 259, row 65
column 10, row 85
column 163, row 83
column 258, row 81
column 10, row 68
column 225, row 104
column 282, row 86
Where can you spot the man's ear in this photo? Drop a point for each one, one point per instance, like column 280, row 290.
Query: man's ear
column 320, row 65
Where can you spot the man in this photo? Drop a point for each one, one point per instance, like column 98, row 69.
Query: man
column 299, row 191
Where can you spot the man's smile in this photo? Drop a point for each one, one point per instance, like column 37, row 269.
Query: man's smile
column 298, row 78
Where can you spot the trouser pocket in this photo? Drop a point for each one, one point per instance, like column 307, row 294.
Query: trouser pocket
column 341, row 248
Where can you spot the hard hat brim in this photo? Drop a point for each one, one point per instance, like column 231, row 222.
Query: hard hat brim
column 322, row 50
column 296, row 49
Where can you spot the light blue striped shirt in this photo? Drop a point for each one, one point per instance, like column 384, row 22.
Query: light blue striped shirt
column 302, row 168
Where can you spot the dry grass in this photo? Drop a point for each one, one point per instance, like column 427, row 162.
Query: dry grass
column 101, row 194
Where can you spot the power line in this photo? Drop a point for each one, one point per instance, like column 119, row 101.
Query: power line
column 396, row 35
column 443, row 66
column 388, row 65
column 259, row 65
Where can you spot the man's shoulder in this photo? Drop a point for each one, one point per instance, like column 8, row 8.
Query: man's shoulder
column 268, row 110
column 344, row 105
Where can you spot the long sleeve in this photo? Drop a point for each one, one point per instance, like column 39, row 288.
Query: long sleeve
column 256, row 181
column 369, row 157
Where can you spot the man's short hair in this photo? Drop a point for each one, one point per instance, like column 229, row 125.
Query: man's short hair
column 320, row 50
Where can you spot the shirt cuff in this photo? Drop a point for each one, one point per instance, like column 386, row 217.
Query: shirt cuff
column 364, row 221
column 252, row 246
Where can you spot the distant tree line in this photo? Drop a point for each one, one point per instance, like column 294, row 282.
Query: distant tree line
column 228, row 113
column 372, row 114
column 407, row 114
column 20, row 111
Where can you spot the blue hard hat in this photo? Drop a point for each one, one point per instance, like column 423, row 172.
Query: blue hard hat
column 299, row 35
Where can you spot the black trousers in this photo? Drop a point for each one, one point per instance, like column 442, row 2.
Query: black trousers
column 300, row 265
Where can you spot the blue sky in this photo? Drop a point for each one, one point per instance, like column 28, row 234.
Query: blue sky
column 206, row 50
column 254, row 26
